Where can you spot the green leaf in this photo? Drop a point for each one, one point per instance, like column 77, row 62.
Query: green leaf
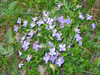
column 9, row 36
column 12, row 5
column 3, row 51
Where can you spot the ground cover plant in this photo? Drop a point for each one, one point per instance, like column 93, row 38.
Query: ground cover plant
column 51, row 37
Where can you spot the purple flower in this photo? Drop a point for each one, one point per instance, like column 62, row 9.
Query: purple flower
column 61, row 20
column 77, row 30
column 31, row 33
column 40, row 22
column 15, row 28
column 53, row 58
column 23, row 38
column 36, row 42
column 34, row 19
column 68, row 21
column 44, row 19
column 80, row 43
column 32, row 25
column 35, row 47
column 93, row 26
column 54, row 33
column 52, row 51
column 39, row 29
column 69, row 46
column 25, row 45
column 49, row 21
column 28, row 58
column 89, row 17
column 60, row 61
column 78, row 38
column 71, row 37
column 25, row 23
column 39, row 34
column 62, row 47
column 81, row 16
column 20, row 54
column 46, row 14
column 19, row 20
column 51, row 44
column 46, row 58
column 58, row 6
column 58, row 35
column 20, row 65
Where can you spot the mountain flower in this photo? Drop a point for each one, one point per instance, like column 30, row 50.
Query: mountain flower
column 89, row 17
column 20, row 54
column 28, row 58
column 20, row 65
column 46, row 58
column 62, row 47
column 16, row 28
column 81, row 16
column 52, row 51
column 25, row 23
column 93, row 26
column 60, row 61
column 19, row 20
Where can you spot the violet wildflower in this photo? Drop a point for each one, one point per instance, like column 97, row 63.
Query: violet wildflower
column 51, row 44
column 53, row 58
column 25, row 45
column 47, row 28
column 25, row 23
column 35, row 47
column 93, row 26
column 77, row 30
column 52, row 51
column 54, row 33
column 36, row 42
column 89, row 17
column 58, row 6
column 31, row 33
column 78, row 37
column 46, row 58
column 40, row 22
column 44, row 19
column 61, row 20
column 68, row 21
column 81, row 16
column 49, row 21
column 28, row 58
column 69, row 46
column 62, row 47
column 32, row 25
column 39, row 34
column 16, row 28
column 19, row 20
column 39, row 29
column 80, row 43
column 46, row 14
column 60, row 61
column 20, row 65
column 34, row 19
column 71, row 37
column 20, row 54
column 58, row 35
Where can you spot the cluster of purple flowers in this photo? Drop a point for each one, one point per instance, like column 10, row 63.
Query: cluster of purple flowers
column 50, row 24
column 78, row 37
column 62, row 21
column 53, row 55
